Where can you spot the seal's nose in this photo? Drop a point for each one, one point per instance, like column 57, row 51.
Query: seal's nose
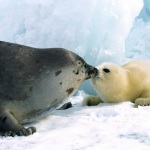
column 95, row 71
column 90, row 71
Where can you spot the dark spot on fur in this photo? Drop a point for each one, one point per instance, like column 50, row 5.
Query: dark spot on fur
column 76, row 72
column 79, row 80
column 8, row 97
column 60, row 83
column 4, row 119
column 0, row 118
column 57, row 73
column 31, row 89
column 69, row 91
column 19, row 46
column 37, row 61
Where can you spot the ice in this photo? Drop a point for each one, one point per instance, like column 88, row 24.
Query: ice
column 97, row 30
column 138, row 41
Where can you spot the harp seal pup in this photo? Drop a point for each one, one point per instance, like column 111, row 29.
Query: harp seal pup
column 114, row 83
column 34, row 82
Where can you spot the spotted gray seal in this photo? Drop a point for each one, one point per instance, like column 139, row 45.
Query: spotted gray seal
column 34, row 82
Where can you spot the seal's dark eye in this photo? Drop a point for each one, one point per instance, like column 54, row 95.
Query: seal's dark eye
column 106, row 70
column 79, row 63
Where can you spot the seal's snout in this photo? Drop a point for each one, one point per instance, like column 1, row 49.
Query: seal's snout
column 95, row 71
column 91, row 71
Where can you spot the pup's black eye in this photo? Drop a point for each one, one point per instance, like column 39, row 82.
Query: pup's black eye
column 106, row 70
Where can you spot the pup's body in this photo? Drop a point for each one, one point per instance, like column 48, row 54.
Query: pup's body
column 114, row 83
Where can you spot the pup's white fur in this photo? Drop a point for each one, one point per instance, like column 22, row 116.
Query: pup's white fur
column 114, row 83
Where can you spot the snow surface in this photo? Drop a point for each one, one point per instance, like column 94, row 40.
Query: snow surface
column 97, row 30
column 102, row 127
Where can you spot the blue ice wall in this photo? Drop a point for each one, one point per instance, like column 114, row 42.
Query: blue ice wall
column 94, row 29
column 137, row 43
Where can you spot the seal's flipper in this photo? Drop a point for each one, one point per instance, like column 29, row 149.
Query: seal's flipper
column 142, row 102
column 65, row 106
column 9, row 126
column 91, row 101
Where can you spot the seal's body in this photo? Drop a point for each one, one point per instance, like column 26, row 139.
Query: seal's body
column 114, row 83
column 34, row 82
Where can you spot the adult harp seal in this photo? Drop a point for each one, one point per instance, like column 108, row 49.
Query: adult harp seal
column 34, row 82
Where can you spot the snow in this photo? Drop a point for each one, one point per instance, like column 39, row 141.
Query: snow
column 97, row 30
column 106, row 127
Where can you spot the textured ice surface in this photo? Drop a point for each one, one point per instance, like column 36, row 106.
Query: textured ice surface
column 95, row 29
column 138, row 41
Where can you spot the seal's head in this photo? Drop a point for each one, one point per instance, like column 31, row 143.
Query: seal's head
column 84, row 69
column 67, row 70
column 109, row 81
column 78, row 71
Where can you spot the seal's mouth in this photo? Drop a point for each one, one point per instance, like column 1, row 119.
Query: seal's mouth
column 90, row 71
